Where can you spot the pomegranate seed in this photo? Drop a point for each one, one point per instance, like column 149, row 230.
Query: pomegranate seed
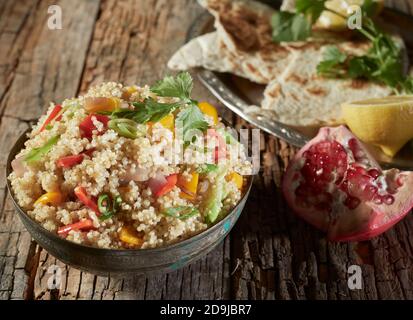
column 360, row 170
column 357, row 185
column 388, row 199
column 353, row 145
column 378, row 199
column 374, row 173
column 400, row 180
column 352, row 202
column 344, row 186
column 369, row 192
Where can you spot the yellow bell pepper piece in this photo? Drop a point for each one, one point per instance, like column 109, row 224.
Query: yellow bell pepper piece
column 129, row 235
column 128, row 92
column 209, row 110
column 189, row 187
column 237, row 178
column 50, row 198
column 96, row 104
column 168, row 122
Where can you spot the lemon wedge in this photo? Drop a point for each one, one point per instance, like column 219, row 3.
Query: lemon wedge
column 331, row 21
column 384, row 122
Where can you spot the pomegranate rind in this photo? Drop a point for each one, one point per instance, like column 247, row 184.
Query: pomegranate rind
column 342, row 224
column 382, row 217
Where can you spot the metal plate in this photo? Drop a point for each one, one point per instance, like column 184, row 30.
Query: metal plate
column 237, row 93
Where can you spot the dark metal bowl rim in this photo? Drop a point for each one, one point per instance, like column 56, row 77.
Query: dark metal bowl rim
column 17, row 147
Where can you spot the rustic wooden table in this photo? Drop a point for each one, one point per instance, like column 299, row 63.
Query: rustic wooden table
column 269, row 255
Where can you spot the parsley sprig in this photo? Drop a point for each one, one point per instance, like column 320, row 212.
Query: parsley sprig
column 189, row 116
column 383, row 63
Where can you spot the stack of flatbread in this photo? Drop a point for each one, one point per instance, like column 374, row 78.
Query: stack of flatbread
column 295, row 94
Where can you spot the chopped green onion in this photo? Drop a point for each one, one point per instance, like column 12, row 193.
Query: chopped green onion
column 124, row 127
column 181, row 212
column 36, row 153
column 48, row 127
column 206, row 168
column 106, row 207
column 116, row 203
column 104, row 204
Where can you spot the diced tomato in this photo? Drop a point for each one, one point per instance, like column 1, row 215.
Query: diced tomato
column 87, row 126
column 89, row 202
column 70, row 161
column 161, row 187
column 81, row 225
column 56, row 110
column 220, row 145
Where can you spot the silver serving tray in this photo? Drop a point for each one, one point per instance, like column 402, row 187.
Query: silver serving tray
column 237, row 93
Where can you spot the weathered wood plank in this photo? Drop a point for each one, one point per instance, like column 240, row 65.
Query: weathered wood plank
column 51, row 63
column 36, row 65
column 271, row 253
column 128, row 45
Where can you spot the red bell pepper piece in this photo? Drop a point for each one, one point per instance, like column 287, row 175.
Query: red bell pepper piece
column 81, row 225
column 87, row 126
column 70, row 161
column 171, row 181
column 56, row 110
column 83, row 197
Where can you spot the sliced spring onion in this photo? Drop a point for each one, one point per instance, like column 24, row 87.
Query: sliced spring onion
column 206, row 168
column 106, row 207
column 124, row 127
column 181, row 212
column 104, row 204
column 36, row 153
column 116, row 203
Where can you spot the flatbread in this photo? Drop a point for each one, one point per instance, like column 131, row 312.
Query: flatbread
column 242, row 44
column 295, row 95
column 300, row 97
column 209, row 52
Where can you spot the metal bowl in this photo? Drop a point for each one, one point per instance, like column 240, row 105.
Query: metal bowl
column 139, row 261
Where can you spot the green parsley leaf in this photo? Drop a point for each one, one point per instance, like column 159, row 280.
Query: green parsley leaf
column 289, row 26
column 332, row 58
column 149, row 110
column 311, row 8
column 369, row 7
column 189, row 119
column 37, row 153
column 159, row 110
column 179, row 86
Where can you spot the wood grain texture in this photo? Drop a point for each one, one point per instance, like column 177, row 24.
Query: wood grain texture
column 270, row 254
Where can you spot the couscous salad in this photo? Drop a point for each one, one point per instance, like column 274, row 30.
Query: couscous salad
column 130, row 167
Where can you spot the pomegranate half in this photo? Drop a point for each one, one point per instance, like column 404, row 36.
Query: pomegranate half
column 335, row 184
